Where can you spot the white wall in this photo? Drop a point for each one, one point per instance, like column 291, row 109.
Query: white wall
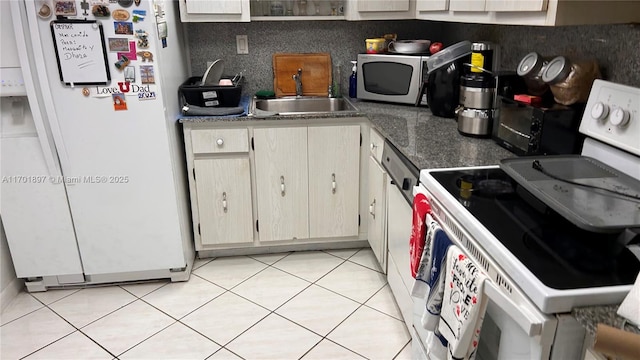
column 9, row 284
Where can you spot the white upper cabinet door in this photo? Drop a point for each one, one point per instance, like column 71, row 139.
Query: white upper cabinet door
column 224, row 200
column 383, row 5
column 334, row 169
column 214, row 10
column 519, row 5
column 214, row 6
column 467, row 5
column 380, row 9
column 432, row 5
column 282, row 183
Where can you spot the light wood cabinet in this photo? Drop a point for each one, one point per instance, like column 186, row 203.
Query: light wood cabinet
column 307, row 182
column 529, row 12
column 224, row 204
column 287, row 184
column 377, row 216
column 220, row 186
column 214, row 10
column 282, row 186
column 334, row 167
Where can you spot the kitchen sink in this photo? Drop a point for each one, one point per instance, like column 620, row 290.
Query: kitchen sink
column 301, row 105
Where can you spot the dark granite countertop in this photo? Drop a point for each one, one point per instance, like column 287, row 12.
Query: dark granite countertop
column 433, row 142
column 428, row 141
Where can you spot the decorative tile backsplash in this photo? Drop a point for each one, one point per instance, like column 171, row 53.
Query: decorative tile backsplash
column 614, row 46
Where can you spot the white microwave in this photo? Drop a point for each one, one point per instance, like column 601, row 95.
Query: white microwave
column 390, row 77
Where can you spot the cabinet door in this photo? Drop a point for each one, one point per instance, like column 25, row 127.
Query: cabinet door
column 383, row 5
column 377, row 217
column 334, row 169
column 213, row 6
column 282, row 183
column 520, row 5
column 432, row 5
column 467, row 5
column 224, row 200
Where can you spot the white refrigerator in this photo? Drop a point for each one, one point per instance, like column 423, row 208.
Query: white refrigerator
column 94, row 185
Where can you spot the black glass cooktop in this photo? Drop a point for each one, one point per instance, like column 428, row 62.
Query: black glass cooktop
column 557, row 252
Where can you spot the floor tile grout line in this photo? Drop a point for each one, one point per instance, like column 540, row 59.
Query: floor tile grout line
column 165, row 283
column 149, row 337
column 28, row 313
column 221, row 348
column 380, row 311
column 76, row 329
column 93, row 321
column 402, row 349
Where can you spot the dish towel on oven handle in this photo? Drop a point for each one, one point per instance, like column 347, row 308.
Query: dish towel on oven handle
column 463, row 305
column 423, row 275
column 440, row 245
column 421, row 208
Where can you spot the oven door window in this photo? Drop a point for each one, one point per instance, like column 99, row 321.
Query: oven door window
column 387, row 78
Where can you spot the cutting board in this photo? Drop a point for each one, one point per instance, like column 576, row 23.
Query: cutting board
column 316, row 73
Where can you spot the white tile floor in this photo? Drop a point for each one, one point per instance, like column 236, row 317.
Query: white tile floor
column 302, row 305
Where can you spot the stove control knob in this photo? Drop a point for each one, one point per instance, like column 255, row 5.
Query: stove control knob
column 599, row 111
column 619, row 117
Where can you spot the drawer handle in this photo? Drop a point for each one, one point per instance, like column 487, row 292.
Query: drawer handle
column 220, row 142
column 372, row 208
column 373, row 146
column 224, row 201
column 333, row 183
column 282, row 192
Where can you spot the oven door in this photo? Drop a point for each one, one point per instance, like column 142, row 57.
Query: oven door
column 513, row 327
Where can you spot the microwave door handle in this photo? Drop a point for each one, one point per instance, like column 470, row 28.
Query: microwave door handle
column 530, row 323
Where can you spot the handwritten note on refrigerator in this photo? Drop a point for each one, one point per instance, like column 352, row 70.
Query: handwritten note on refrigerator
column 81, row 52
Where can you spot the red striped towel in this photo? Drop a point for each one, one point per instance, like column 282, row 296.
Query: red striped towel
column 421, row 208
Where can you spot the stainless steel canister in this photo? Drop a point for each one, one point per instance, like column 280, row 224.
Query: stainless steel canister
column 476, row 98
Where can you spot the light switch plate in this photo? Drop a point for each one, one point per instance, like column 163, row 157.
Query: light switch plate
column 242, row 44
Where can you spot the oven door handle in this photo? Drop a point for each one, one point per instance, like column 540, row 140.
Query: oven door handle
column 529, row 322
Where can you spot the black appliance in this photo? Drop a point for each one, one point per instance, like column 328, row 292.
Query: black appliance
column 548, row 129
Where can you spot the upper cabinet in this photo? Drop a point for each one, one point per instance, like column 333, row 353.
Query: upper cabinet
column 529, row 12
column 380, row 9
column 214, row 10
column 507, row 12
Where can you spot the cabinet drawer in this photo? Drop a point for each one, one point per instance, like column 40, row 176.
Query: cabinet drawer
column 376, row 141
column 219, row 141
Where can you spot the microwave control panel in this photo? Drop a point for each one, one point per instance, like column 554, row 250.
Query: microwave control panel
column 612, row 115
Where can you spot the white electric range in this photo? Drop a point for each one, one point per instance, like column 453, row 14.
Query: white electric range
column 541, row 263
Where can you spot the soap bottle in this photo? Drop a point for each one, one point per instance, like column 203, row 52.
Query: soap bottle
column 353, row 83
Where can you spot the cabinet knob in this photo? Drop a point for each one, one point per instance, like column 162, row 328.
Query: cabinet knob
column 220, row 142
column 373, row 146
column 333, row 183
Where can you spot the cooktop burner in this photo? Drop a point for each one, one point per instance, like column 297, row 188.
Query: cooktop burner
column 559, row 254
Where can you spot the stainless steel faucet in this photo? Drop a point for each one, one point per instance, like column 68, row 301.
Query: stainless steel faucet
column 298, row 80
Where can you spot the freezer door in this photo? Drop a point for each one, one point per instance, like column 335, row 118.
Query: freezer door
column 35, row 211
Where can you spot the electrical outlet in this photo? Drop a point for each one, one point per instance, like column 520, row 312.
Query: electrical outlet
column 242, row 44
